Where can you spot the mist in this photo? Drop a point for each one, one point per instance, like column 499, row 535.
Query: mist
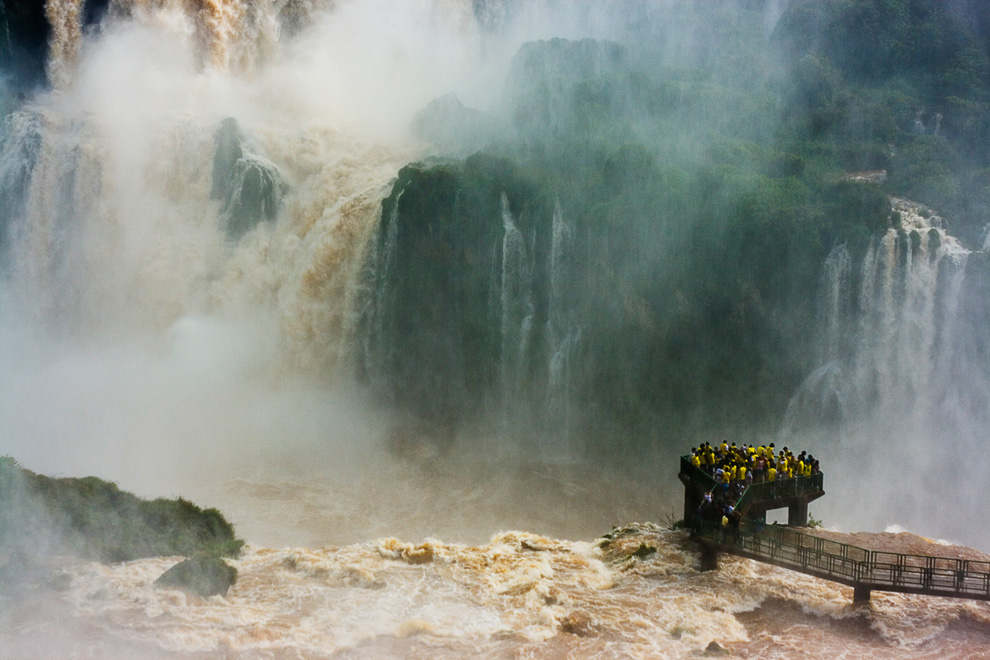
column 601, row 254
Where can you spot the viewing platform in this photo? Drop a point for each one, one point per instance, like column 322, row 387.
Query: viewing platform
column 758, row 498
column 862, row 569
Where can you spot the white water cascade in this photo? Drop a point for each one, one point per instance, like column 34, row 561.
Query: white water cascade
column 144, row 301
column 562, row 330
column 910, row 289
column 517, row 306
column 891, row 356
column 885, row 401
column 835, row 305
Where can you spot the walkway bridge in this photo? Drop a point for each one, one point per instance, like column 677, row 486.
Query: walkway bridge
column 862, row 569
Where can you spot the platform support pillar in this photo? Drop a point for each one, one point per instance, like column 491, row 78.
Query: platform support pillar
column 709, row 558
column 690, row 505
column 797, row 514
column 861, row 594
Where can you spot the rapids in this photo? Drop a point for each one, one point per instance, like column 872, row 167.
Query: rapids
column 520, row 595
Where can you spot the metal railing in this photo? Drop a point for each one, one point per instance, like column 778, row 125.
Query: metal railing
column 849, row 564
column 766, row 491
column 697, row 475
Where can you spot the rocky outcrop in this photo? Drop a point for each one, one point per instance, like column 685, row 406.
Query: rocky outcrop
column 203, row 575
column 250, row 186
column 93, row 519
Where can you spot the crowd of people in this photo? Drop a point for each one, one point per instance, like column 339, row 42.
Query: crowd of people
column 735, row 468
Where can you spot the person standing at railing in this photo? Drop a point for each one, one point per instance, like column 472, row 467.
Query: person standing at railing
column 759, row 469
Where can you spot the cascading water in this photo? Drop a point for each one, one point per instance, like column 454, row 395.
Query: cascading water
column 892, row 350
column 55, row 251
column 562, row 330
column 887, row 398
column 835, row 307
column 517, row 307
column 379, row 272
column 65, row 19
column 910, row 285
column 20, row 149
column 204, row 216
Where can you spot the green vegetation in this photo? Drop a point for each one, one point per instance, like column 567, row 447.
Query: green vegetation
column 902, row 85
column 94, row 519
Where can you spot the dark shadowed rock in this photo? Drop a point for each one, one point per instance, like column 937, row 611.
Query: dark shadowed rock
column 203, row 575
column 715, row 649
column 249, row 184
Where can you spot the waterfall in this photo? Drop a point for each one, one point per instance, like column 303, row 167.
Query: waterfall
column 562, row 330
column 20, row 148
column 377, row 345
column 893, row 357
column 65, row 18
column 517, row 307
column 132, row 192
column 57, row 243
column 835, row 291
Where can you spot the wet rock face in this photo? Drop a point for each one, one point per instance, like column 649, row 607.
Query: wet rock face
column 203, row 575
column 441, row 305
column 715, row 649
column 94, row 11
column 249, row 184
column 227, row 151
column 24, row 34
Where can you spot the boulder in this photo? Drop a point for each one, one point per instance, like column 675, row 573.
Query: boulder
column 203, row 575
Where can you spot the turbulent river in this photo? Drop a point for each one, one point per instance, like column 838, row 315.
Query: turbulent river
column 518, row 595
column 187, row 338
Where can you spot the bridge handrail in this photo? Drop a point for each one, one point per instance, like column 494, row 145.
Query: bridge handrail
column 788, row 547
column 780, row 488
column 696, row 474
